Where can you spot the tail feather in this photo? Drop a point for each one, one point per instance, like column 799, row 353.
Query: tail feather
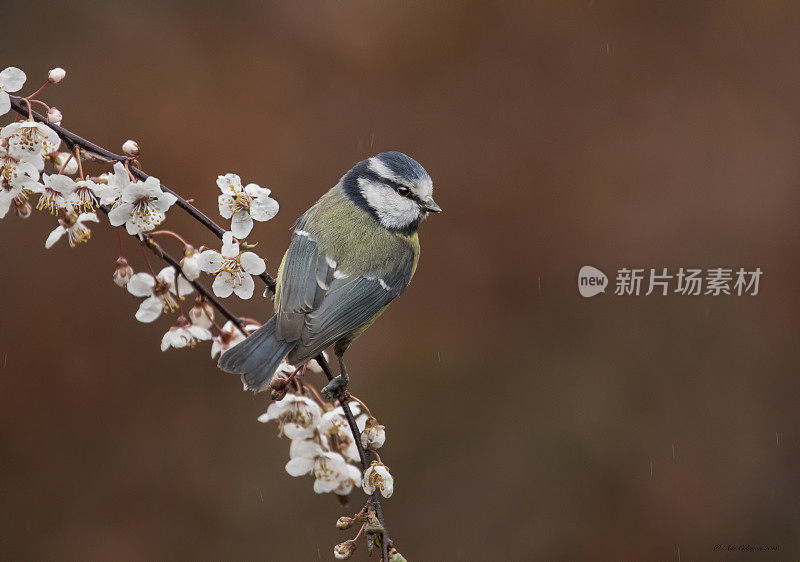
column 256, row 358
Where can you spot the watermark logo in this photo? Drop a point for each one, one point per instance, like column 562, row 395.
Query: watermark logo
column 591, row 281
column 715, row 281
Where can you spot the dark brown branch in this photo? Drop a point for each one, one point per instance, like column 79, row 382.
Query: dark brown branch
column 18, row 105
column 351, row 420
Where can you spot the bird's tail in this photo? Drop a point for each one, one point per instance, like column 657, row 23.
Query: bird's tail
column 257, row 357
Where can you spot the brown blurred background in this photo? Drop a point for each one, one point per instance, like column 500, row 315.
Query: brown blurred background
column 524, row 421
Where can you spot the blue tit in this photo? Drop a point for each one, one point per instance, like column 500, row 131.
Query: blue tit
column 351, row 254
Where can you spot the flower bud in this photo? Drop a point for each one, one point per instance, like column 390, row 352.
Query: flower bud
column 374, row 435
column 54, row 116
column 123, row 272
column 202, row 314
column 62, row 158
column 130, row 148
column 22, row 208
column 190, row 263
column 343, row 551
column 344, row 522
column 56, row 75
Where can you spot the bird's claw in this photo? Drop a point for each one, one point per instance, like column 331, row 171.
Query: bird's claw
column 337, row 388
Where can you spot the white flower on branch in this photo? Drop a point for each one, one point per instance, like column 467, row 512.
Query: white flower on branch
column 29, row 141
column 297, row 416
column 160, row 292
column 71, row 224
column 244, row 204
column 57, row 191
column 184, row 334
column 142, row 206
column 377, row 477
column 54, row 116
column 130, row 148
column 202, row 314
column 232, row 268
column 56, row 75
column 86, row 195
column 17, row 181
column 123, row 272
column 190, row 263
column 331, row 472
column 116, row 182
column 228, row 337
column 373, row 436
column 11, row 80
column 333, row 427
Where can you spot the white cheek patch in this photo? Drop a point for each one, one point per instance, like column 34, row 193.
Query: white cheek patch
column 393, row 210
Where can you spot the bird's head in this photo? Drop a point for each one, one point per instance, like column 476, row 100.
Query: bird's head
column 394, row 188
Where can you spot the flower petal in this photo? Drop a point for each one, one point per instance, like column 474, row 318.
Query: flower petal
column 223, row 285
column 149, row 310
column 120, row 213
column 241, row 224
column 5, row 103
column 226, row 206
column 210, row 261
column 55, row 236
column 141, row 285
column 252, row 264
column 264, row 208
column 299, row 466
column 245, row 290
column 12, row 79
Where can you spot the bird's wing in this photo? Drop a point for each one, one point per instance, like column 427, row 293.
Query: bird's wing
column 319, row 303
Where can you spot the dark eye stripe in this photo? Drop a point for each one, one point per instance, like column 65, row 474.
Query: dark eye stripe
column 391, row 183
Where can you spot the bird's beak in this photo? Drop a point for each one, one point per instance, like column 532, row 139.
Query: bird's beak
column 431, row 206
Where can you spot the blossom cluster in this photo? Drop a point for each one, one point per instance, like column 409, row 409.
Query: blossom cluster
column 322, row 444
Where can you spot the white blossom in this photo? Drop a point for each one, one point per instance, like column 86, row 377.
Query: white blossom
column 29, row 141
column 116, row 182
column 86, row 195
column 377, row 477
column 54, row 116
column 297, row 416
column 123, row 272
column 11, row 80
column 331, row 472
column 190, row 263
column 71, row 224
column 141, row 206
column 56, row 75
column 202, row 314
column 17, row 181
column 184, row 334
column 57, row 191
column 229, row 337
column 130, row 148
column 333, row 427
column 373, row 436
column 232, row 268
column 244, row 204
column 160, row 292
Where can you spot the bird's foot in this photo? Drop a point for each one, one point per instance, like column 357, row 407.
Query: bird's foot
column 337, row 388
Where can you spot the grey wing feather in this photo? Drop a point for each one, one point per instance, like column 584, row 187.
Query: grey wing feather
column 349, row 303
column 310, row 274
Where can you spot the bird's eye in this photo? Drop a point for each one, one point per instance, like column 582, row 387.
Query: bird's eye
column 404, row 191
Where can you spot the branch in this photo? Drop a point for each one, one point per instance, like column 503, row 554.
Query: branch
column 348, row 413
column 74, row 140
